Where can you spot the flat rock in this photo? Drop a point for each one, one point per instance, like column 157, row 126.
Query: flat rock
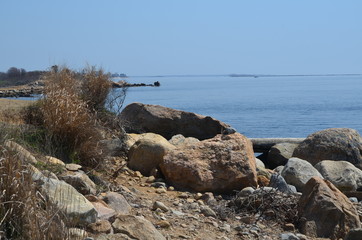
column 117, row 202
column 327, row 211
column 297, row 172
column 136, row 227
column 141, row 118
column 76, row 207
column 221, row 164
column 340, row 144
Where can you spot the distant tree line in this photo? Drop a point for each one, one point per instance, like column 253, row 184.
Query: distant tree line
column 19, row 76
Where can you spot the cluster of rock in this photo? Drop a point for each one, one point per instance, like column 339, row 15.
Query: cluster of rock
column 319, row 168
column 24, row 92
column 170, row 149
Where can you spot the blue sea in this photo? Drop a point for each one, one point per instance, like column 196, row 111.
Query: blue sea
column 284, row 106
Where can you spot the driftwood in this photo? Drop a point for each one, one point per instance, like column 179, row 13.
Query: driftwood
column 264, row 144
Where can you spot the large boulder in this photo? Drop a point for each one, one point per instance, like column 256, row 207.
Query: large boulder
column 141, row 118
column 147, row 153
column 297, row 172
column 340, row 144
column 326, row 212
column 344, row 175
column 280, row 153
column 221, row 164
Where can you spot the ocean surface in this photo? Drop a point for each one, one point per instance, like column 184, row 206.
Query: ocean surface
column 285, row 106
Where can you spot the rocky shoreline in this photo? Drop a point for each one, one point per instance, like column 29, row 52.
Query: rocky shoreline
column 188, row 176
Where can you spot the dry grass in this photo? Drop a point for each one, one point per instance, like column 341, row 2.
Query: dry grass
column 10, row 110
column 69, row 120
column 24, row 213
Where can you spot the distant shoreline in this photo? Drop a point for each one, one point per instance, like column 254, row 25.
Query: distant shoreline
column 250, row 75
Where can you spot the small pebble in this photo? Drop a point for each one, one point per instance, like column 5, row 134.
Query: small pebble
column 171, row 188
column 161, row 190
column 183, row 195
column 198, row 196
column 163, row 224
column 160, row 205
column 353, row 199
column 150, row 179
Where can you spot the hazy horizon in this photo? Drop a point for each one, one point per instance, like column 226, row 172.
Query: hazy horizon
column 148, row 38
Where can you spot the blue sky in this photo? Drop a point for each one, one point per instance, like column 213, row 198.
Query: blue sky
column 184, row 37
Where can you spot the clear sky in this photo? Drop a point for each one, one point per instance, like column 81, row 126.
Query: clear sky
column 151, row 37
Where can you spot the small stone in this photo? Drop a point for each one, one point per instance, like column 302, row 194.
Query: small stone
column 247, row 219
column 161, row 190
column 215, row 224
column 177, row 213
column 55, row 161
column 137, row 174
column 150, row 179
column 73, row 167
column 208, row 212
column 200, row 202
column 289, row 227
column 246, row 192
column 171, row 188
column 288, row 236
column 160, row 205
column 163, row 224
column 226, row 228
column 194, row 206
column 101, row 226
column 353, row 199
column 142, row 185
column 183, row 195
column 183, row 225
column 198, row 196
column 190, row 200
column 158, row 185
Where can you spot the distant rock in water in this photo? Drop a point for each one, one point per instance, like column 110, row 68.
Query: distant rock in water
column 142, row 118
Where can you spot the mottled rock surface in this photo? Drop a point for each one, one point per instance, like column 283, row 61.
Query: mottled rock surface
column 341, row 144
column 326, row 211
column 220, row 164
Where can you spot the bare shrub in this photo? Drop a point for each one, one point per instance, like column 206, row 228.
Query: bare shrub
column 273, row 205
column 95, row 88
column 68, row 118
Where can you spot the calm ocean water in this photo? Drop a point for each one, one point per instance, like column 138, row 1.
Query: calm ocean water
column 263, row 106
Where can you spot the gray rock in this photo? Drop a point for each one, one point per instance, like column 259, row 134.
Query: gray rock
column 354, row 234
column 246, row 192
column 180, row 141
column 158, row 185
column 229, row 130
column 117, row 236
column 76, row 207
column 259, row 163
column 136, row 227
column 160, row 205
column 340, row 144
column 277, row 181
column 117, row 202
column 22, row 153
column 280, row 153
column 297, row 172
column 278, row 169
column 344, row 175
column 140, row 118
column 208, row 212
column 353, row 199
column 81, row 182
column 289, row 236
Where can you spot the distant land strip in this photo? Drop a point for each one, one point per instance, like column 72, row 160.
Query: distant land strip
column 251, row 75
